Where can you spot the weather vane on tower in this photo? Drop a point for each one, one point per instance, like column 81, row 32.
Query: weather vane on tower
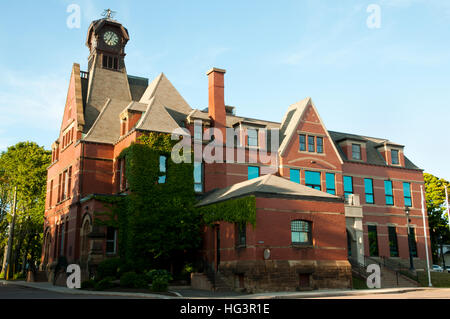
column 108, row 13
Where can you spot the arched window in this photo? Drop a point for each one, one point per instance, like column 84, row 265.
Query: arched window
column 85, row 230
column 47, row 247
column 301, row 232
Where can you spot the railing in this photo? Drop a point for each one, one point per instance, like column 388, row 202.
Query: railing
column 358, row 268
column 84, row 75
column 398, row 268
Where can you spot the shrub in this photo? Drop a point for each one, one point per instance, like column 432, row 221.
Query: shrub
column 105, row 283
column 160, row 279
column 108, row 268
column 133, row 280
column 87, row 284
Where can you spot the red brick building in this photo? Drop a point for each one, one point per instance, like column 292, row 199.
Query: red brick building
column 329, row 196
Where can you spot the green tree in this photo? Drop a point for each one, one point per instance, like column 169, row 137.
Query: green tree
column 24, row 166
column 437, row 216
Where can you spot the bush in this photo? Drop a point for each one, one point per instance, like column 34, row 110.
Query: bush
column 88, row 284
column 108, row 268
column 105, row 283
column 133, row 280
column 160, row 279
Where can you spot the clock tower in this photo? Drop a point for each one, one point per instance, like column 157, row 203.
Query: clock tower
column 106, row 40
column 108, row 80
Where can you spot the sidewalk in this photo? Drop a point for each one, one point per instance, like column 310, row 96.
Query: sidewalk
column 203, row 294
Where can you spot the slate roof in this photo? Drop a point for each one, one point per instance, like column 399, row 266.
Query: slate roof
column 267, row 185
column 106, row 128
column 373, row 155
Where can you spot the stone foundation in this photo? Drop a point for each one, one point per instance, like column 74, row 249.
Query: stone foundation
column 286, row 275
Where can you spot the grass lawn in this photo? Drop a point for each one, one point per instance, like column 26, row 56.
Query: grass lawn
column 438, row 279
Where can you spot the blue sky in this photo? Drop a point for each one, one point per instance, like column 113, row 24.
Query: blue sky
column 389, row 82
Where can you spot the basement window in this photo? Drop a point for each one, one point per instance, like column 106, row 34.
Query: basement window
column 301, row 232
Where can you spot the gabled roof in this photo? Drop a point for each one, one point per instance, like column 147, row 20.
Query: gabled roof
column 267, row 185
column 291, row 120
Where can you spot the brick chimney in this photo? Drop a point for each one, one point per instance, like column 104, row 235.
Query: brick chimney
column 216, row 101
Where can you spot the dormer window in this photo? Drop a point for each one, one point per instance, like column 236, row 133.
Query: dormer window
column 252, row 137
column 394, row 157
column 356, row 152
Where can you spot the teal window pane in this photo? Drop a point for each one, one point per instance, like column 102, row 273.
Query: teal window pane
column 253, row 172
column 330, row 183
column 407, row 194
column 162, row 169
column 312, row 179
column 368, row 189
column 389, row 195
column 198, row 177
column 348, row 185
column 294, row 175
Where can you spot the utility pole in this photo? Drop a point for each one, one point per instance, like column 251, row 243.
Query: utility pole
column 11, row 235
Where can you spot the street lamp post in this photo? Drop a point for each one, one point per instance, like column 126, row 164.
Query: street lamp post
column 411, row 263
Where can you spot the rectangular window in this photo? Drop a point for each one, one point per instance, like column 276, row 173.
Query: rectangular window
column 373, row 240
column 330, row 183
column 162, row 169
column 302, row 142
column 294, row 175
column 388, row 193
column 51, row 194
column 348, row 186
column 319, row 144
column 110, row 62
column 111, row 239
column 253, row 172
column 394, row 156
column 241, row 234
column 412, row 241
column 311, row 144
column 61, row 244
column 356, row 151
column 312, row 179
column 198, row 177
column 393, row 245
column 368, row 189
column 407, row 194
column 252, row 137
column 301, row 232
column 59, row 187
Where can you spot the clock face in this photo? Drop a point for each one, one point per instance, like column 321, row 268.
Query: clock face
column 111, row 38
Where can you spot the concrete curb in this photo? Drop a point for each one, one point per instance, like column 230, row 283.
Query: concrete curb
column 268, row 295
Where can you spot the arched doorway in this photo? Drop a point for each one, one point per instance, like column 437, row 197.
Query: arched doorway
column 84, row 239
column 47, row 248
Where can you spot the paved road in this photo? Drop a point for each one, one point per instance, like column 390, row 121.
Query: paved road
column 438, row 293
column 19, row 292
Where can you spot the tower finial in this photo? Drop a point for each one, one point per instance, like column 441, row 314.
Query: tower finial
column 108, row 13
